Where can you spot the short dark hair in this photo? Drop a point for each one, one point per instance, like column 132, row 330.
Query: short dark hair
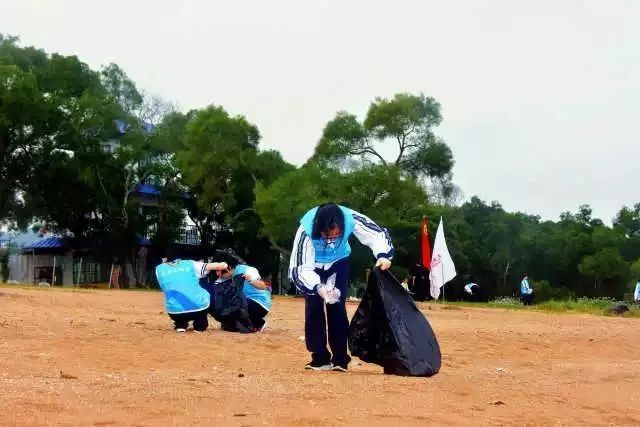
column 328, row 216
column 171, row 253
column 228, row 256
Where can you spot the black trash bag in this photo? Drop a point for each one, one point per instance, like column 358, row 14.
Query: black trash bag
column 229, row 305
column 389, row 330
column 618, row 308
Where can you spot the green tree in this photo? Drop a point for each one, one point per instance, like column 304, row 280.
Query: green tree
column 214, row 164
column 51, row 108
column 628, row 220
column 56, row 114
column 608, row 270
column 406, row 121
column 635, row 269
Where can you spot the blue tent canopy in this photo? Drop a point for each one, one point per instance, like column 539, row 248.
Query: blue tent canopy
column 150, row 190
column 147, row 189
column 46, row 243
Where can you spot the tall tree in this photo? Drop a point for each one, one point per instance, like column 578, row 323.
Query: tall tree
column 213, row 163
column 406, row 121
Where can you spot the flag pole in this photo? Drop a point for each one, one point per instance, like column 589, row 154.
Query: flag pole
column 444, row 299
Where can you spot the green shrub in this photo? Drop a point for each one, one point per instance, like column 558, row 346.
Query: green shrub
column 543, row 291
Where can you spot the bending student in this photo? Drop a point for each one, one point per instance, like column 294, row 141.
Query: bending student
column 320, row 269
column 255, row 290
column 186, row 301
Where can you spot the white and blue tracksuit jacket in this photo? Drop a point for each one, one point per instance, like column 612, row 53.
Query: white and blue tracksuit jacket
column 310, row 254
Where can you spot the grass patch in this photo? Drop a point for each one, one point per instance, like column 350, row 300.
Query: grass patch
column 595, row 306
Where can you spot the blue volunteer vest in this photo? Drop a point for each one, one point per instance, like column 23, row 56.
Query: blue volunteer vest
column 182, row 291
column 260, row 296
column 340, row 249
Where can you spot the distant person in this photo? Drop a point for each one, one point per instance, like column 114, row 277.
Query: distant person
column 256, row 291
column 114, row 279
column 320, row 268
column 419, row 286
column 526, row 291
column 472, row 290
column 185, row 300
column 636, row 294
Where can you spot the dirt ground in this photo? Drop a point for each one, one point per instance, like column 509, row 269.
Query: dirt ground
column 92, row 357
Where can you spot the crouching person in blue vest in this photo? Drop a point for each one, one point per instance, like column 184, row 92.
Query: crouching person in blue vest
column 320, row 269
column 186, row 301
column 255, row 290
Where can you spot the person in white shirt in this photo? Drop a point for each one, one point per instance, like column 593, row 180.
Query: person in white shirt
column 471, row 288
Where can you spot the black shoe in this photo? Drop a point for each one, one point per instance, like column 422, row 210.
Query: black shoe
column 341, row 366
column 318, row 365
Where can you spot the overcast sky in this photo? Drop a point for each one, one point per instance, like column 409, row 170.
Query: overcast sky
column 541, row 99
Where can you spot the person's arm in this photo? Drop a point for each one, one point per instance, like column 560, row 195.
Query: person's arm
column 376, row 238
column 302, row 264
column 252, row 276
column 203, row 268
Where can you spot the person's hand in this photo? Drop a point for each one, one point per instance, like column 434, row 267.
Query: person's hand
column 383, row 264
column 329, row 294
column 254, row 282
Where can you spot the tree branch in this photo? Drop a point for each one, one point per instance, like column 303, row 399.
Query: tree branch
column 369, row 150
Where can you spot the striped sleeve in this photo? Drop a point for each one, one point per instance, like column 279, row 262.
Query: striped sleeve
column 372, row 235
column 302, row 264
column 200, row 268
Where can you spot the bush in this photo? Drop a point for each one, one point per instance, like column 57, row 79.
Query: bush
column 583, row 304
column 599, row 303
column 543, row 291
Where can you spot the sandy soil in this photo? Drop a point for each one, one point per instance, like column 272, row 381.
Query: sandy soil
column 91, row 357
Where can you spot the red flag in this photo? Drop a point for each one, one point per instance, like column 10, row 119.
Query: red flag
column 424, row 245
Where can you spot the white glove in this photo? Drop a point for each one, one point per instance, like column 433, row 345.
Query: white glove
column 383, row 263
column 329, row 294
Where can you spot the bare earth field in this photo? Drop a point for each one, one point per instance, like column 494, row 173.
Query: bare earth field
column 92, row 357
